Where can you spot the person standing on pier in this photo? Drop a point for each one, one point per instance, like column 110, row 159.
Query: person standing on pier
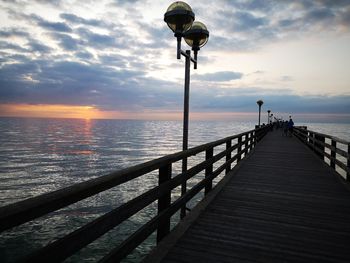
column 285, row 128
column 290, row 126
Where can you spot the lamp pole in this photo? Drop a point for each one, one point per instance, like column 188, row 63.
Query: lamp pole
column 268, row 117
column 186, row 107
column 259, row 102
column 180, row 19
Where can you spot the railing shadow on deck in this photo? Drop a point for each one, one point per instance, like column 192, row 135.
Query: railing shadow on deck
column 334, row 151
column 24, row 211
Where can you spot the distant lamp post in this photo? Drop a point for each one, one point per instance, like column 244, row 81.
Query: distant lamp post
column 260, row 103
column 268, row 116
column 180, row 19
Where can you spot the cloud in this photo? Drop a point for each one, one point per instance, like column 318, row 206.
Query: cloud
column 51, row 26
column 245, row 21
column 258, row 72
column 13, row 32
column 114, row 60
column 74, row 19
column 66, row 82
column 244, row 100
column 43, row 81
column 50, row 2
column 4, row 45
column 219, row 76
column 320, row 14
column 84, row 55
column 249, row 25
column 97, row 40
column 285, row 23
column 345, row 17
column 158, row 37
column 36, row 46
column 119, row 3
column 74, row 55
column 66, row 41
column 286, row 78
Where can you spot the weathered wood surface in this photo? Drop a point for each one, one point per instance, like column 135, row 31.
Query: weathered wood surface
column 282, row 204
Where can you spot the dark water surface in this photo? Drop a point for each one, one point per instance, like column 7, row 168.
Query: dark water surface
column 42, row 155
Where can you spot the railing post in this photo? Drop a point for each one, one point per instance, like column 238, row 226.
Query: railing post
column 228, row 156
column 239, row 149
column 348, row 165
column 164, row 202
column 209, row 170
column 255, row 138
column 333, row 153
column 320, row 139
column 259, row 135
column 183, row 188
column 251, row 140
column 304, row 134
column 246, row 145
column 313, row 145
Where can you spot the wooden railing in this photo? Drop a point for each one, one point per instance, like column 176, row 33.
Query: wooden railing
column 332, row 150
column 24, row 211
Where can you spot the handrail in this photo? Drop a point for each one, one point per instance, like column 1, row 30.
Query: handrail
column 317, row 142
column 27, row 210
column 328, row 136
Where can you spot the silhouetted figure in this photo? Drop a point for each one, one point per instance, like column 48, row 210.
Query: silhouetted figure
column 290, row 127
column 285, row 128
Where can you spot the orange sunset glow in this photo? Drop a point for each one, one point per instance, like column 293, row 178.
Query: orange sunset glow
column 50, row 111
column 92, row 112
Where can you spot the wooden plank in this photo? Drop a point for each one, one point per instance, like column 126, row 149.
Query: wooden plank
column 342, row 153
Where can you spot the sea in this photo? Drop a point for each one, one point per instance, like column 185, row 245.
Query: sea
column 39, row 155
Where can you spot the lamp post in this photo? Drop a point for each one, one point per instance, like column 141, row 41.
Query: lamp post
column 259, row 102
column 180, row 19
column 268, row 116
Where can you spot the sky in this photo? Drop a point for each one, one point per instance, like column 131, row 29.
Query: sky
column 117, row 59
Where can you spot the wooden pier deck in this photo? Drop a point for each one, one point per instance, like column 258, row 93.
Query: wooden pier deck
column 280, row 204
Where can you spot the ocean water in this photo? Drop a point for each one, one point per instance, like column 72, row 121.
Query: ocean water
column 42, row 155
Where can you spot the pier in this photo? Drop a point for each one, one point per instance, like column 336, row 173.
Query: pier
column 280, row 200
column 281, row 204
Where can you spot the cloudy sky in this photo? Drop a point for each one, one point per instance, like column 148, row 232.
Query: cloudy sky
column 117, row 59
